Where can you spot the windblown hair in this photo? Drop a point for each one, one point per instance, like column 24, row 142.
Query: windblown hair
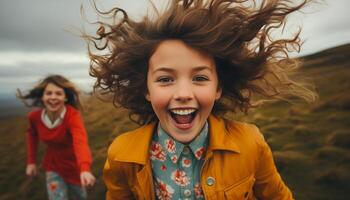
column 237, row 33
column 34, row 95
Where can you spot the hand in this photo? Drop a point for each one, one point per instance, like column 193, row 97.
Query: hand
column 87, row 179
column 31, row 170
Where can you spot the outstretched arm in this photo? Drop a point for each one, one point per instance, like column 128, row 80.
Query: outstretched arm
column 32, row 147
column 81, row 149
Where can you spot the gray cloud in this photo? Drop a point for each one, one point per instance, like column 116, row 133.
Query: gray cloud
column 39, row 25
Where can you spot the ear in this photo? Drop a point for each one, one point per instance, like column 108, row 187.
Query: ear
column 218, row 93
column 148, row 98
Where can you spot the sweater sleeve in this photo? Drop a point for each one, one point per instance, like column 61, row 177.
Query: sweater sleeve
column 269, row 184
column 32, row 141
column 80, row 141
column 115, row 176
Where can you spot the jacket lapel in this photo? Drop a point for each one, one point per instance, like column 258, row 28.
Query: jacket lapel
column 145, row 180
column 219, row 136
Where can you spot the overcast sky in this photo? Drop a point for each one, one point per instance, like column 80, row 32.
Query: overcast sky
column 34, row 40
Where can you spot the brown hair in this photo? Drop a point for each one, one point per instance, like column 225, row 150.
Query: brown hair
column 35, row 94
column 237, row 33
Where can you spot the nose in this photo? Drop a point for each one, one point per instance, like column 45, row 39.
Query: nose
column 183, row 92
column 53, row 96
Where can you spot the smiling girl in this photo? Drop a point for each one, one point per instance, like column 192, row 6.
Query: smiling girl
column 179, row 72
column 59, row 125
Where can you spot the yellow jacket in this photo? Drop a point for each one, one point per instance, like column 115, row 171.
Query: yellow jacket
column 238, row 165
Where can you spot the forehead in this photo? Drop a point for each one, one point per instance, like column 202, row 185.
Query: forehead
column 175, row 53
column 53, row 87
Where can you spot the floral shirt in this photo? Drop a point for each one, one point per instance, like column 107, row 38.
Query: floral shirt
column 176, row 167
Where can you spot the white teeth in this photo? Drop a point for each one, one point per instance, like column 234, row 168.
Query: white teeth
column 183, row 112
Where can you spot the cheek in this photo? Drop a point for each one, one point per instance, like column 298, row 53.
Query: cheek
column 159, row 102
column 157, row 95
column 44, row 99
column 207, row 97
column 63, row 98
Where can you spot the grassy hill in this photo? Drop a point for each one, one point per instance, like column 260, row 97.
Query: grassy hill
column 311, row 143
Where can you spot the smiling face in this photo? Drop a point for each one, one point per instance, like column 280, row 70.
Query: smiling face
column 53, row 98
column 182, row 87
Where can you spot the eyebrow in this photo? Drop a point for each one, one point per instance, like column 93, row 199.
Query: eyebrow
column 196, row 69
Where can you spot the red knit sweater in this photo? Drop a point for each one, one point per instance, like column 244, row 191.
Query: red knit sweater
column 67, row 150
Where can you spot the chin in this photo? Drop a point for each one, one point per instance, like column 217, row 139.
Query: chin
column 54, row 109
column 184, row 137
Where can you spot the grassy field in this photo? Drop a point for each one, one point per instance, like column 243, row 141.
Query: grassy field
column 311, row 142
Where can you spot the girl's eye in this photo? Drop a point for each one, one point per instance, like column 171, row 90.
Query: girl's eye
column 200, row 78
column 164, row 79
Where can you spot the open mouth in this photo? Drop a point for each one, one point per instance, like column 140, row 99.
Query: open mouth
column 53, row 105
column 183, row 116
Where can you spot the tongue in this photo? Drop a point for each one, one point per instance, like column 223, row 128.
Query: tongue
column 183, row 119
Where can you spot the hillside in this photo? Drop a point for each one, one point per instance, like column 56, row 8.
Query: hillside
column 311, row 143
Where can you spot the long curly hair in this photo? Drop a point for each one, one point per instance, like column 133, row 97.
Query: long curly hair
column 33, row 97
column 251, row 64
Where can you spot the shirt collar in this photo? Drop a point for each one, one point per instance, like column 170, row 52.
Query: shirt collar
column 174, row 148
column 45, row 118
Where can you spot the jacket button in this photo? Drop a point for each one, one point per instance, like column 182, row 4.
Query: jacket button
column 186, row 150
column 210, row 181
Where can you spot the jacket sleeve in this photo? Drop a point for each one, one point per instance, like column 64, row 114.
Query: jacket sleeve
column 80, row 141
column 115, row 178
column 269, row 184
column 32, row 141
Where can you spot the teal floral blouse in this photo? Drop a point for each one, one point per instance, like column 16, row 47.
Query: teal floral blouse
column 176, row 167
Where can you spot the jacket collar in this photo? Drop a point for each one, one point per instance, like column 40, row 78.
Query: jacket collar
column 220, row 138
column 137, row 150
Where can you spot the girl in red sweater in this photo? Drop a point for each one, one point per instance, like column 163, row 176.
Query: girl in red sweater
column 59, row 125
